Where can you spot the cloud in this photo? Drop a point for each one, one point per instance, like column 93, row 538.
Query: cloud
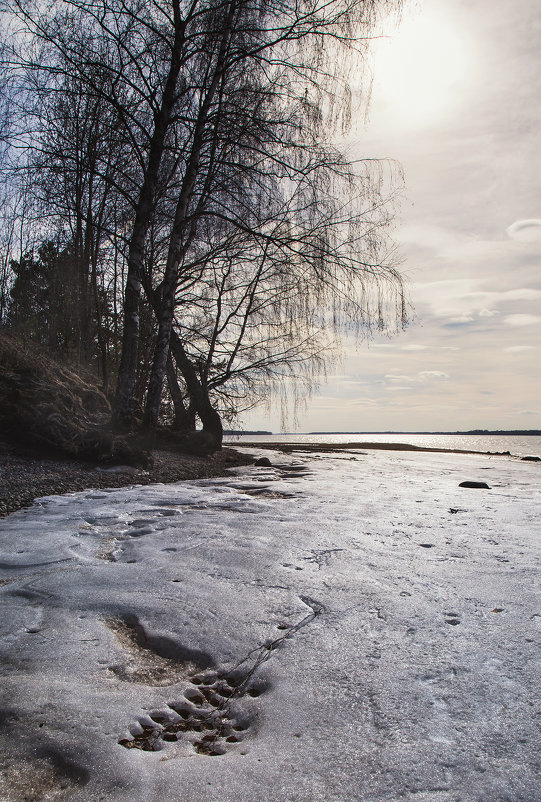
column 430, row 375
column 488, row 312
column 428, row 237
column 522, row 320
column 462, row 319
column 516, row 349
column 422, row 377
column 459, row 322
column 525, row 230
column 465, row 300
column 414, row 347
column 523, row 294
column 362, row 402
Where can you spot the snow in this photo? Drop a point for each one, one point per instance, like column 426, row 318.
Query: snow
column 334, row 628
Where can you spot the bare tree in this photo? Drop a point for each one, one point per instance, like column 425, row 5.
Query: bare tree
column 263, row 311
column 242, row 222
column 77, row 163
column 255, row 131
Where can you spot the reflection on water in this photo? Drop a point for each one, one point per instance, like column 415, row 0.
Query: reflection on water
column 519, row 445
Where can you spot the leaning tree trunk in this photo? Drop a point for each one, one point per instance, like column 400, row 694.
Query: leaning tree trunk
column 127, row 374
column 213, row 432
column 184, row 420
column 180, row 238
column 212, row 435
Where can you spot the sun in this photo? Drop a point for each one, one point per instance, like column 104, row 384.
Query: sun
column 422, row 71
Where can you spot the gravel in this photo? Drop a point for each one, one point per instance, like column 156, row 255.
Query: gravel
column 26, row 475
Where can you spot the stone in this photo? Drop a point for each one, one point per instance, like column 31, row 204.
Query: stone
column 531, row 459
column 480, row 485
column 263, row 462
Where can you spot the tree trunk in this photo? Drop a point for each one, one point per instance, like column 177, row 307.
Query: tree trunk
column 127, row 374
column 176, row 245
column 184, row 420
column 100, row 333
column 212, row 424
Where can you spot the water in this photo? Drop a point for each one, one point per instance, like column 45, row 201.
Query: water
column 520, row 445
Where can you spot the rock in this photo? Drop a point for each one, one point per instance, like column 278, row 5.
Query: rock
column 481, row 485
column 263, row 462
column 531, row 459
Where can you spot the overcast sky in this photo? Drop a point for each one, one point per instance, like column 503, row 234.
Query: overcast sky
column 456, row 100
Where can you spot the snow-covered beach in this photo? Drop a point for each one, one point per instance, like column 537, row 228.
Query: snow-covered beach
column 338, row 627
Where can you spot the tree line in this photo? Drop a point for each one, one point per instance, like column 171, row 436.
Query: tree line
column 177, row 217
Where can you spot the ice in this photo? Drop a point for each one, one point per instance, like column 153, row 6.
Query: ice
column 325, row 630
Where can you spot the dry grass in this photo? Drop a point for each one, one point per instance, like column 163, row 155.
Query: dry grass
column 45, row 404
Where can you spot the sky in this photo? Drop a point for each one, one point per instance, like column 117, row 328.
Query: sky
column 455, row 100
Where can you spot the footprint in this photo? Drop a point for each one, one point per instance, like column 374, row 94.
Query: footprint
column 215, row 712
column 273, row 494
column 208, row 716
column 101, row 520
column 139, row 531
column 164, row 512
column 151, row 658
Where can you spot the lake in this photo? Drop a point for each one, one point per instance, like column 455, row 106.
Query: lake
column 520, row 445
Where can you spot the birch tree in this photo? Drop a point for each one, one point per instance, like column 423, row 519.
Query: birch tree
column 255, row 136
column 224, row 112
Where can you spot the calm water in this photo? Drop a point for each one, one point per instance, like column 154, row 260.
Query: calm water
column 521, row 446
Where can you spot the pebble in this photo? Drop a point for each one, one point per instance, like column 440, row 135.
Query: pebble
column 26, row 475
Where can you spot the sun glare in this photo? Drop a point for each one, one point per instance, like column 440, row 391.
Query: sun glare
column 422, row 70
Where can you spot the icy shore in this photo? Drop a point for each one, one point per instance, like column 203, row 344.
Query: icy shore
column 335, row 629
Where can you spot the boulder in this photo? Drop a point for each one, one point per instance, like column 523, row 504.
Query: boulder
column 531, row 459
column 263, row 462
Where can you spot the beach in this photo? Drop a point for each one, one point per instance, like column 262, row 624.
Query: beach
column 27, row 473
column 335, row 626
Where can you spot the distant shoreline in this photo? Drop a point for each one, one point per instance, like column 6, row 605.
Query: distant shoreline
column 473, row 432
column 287, row 448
